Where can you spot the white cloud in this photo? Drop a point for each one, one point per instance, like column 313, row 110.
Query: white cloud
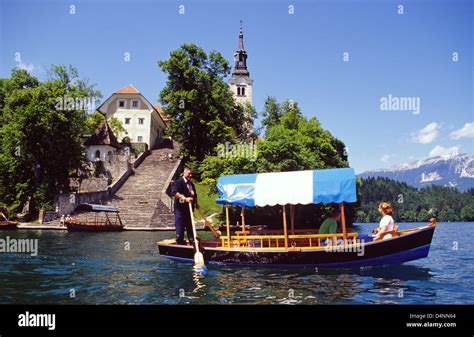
column 439, row 150
column 426, row 135
column 385, row 158
column 467, row 131
column 28, row 67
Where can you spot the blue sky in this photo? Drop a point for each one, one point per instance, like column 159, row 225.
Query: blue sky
column 291, row 56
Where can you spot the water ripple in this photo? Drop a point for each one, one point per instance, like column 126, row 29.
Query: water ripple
column 96, row 268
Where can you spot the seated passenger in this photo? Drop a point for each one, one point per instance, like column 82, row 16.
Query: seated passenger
column 329, row 226
column 387, row 222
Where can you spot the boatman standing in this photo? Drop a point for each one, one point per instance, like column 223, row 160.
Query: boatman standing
column 184, row 192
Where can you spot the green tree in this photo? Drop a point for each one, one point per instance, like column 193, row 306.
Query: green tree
column 467, row 213
column 199, row 101
column 97, row 118
column 292, row 142
column 41, row 139
column 94, row 121
column 410, row 204
column 116, row 125
column 271, row 113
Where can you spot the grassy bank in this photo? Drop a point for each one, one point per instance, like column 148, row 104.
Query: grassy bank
column 207, row 202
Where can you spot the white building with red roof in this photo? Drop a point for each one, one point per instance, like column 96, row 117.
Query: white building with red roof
column 143, row 121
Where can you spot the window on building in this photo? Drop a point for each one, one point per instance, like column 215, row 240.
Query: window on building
column 127, row 120
column 238, row 91
column 97, row 155
column 141, row 121
column 140, row 138
column 110, row 156
column 121, row 103
column 135, row 103
column 242, row 91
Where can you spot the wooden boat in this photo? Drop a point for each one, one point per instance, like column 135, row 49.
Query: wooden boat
column 101, row 221
column 6, row 224
column 299, row 248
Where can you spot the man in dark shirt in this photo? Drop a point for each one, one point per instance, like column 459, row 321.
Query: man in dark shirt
column 184, row 192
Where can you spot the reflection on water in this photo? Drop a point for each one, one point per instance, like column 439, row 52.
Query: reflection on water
column 198, row 276
column 74, row 268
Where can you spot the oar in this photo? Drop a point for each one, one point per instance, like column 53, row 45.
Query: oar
column 3, row 215
column 216, row 233
column 198, row 257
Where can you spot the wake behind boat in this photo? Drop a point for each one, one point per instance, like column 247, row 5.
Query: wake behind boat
column 299, row 248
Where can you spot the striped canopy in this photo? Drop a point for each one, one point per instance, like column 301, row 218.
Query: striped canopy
column 282, row 188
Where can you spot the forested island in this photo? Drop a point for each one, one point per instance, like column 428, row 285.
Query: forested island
column 217, row 137
column 411, row 204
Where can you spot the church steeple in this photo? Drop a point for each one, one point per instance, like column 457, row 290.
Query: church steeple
column 241, row 38
column 241, row 83
column 240, row 56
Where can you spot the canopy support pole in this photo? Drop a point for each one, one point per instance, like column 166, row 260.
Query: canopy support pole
column 343, row 222
column 243, row 219
column 227, row 225
column 292, row 218
column 285, row 231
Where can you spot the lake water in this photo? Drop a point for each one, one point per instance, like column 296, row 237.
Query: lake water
column 97, row 268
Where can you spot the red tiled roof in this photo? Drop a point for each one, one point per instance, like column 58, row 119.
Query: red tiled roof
column 103, row 136
column 129, row 89
column 158, row 108
column 163, row 115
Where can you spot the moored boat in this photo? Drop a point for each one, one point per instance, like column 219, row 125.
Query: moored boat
column 6, row 224
column 290, row 247
column 100, row 221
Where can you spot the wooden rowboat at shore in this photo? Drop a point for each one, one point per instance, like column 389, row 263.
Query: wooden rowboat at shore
column 101, row 221
column 6, row 224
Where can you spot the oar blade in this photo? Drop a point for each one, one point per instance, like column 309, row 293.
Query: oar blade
column 199, row 259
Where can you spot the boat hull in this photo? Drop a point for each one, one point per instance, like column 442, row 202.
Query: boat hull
column 397, row 250
column 8, row 225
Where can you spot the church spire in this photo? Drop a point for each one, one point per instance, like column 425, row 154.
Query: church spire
column 241, row 38
column 240, row 56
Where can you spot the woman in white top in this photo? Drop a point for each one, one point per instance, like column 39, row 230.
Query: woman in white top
column 387, row 222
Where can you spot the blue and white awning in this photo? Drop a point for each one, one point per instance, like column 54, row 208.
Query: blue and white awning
column 282, row 188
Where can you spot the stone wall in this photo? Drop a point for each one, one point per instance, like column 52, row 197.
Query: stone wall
column 115, row 169
column 90, row 184
column 47, row 216
column 165, row 193
column 67, row 203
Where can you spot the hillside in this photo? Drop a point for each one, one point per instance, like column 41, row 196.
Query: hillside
column 411, row 204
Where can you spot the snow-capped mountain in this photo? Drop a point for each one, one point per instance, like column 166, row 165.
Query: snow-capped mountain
column 454, row 170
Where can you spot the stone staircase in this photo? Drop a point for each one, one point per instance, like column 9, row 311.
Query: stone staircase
column 140, row 198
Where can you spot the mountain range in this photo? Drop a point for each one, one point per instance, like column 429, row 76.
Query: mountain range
column 455, row 170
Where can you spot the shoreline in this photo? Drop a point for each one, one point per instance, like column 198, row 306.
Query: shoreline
column 63, row 228
column 28, row 226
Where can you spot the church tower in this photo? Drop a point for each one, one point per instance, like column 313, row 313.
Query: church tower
column 241, row 83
